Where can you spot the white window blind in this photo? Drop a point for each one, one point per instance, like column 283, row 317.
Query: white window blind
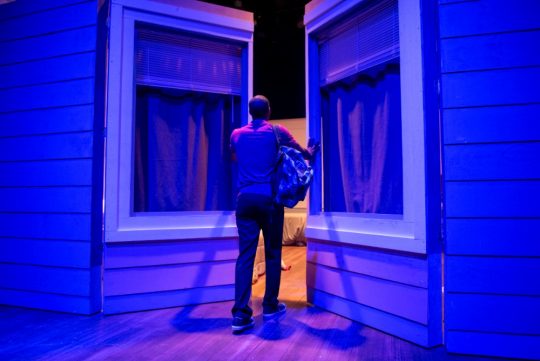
column 369, row 38
column 167, row 58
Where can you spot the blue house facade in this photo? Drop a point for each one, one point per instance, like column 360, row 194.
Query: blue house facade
column 464, row 275
column 490, row 132
column 451, row 257
column 52, row 141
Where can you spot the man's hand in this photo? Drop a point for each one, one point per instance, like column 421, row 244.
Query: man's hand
column 313, row 147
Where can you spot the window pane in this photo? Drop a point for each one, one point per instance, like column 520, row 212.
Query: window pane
column 369, row 37
column 175, row 59
column 362, row 143
column 182, row 157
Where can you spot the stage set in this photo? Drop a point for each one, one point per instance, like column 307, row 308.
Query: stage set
column 418, row 239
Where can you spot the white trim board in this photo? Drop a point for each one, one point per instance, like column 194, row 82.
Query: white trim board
column 406, row 233
column 121, row 224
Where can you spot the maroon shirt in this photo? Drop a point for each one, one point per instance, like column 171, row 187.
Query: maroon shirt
column 255, row 147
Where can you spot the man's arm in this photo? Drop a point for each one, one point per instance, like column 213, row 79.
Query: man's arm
column 233, row 148
column 288, row 140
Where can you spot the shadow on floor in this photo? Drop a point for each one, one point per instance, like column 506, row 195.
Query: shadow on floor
column 184, row 321
column 301, row 318
column 337, row 338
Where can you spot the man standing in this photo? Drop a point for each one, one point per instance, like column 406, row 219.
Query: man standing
column 255, row 148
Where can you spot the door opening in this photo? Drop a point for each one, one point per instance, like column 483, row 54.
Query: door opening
column 293, row 277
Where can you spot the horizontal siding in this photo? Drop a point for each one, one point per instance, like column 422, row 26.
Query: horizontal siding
column 45, row 121
column 47, row 147
column 126, row 281
column 75, row 254
column 491, row 101
column 155, row 300
column 483, row 125
column 493, row 237
column 491, row 51
column 53, row 45
column 498, row 161
column 47, row 77
column 394, row 298
column 488, row 16
column 501, row 344
column 155, row 274
column 489, row 313
column 502, row 199
column 493, row 87
column 27, row 7
column 169, row 253
column 58, row 69
column 497, row 275
column 46, row 173
column 446, row 2
column 60, row 280
column 392, row 267
column 73, row 92
column 373, row 317
column 383, row 289
column 46, row 226
column 48, row 301
column 45, row 22
column 46, row 200
column 518, row 199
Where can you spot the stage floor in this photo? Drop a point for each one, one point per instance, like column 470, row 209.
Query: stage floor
column 203, row 333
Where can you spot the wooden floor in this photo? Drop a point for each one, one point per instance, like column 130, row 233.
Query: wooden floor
column 203, row 333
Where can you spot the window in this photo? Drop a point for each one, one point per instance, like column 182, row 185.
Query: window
column 361, row 112
column 365, row 102
column 187, row 99
column 179, row 82
column 182, row 156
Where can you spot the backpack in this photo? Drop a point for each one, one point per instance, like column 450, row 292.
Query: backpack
column 292, row 175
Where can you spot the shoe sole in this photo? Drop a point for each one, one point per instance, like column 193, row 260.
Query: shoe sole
column 243, row 327
column 275, row 316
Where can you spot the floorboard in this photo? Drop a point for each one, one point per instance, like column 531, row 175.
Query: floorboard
column 203, row 333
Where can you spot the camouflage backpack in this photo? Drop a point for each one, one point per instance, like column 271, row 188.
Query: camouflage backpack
column 292, row 175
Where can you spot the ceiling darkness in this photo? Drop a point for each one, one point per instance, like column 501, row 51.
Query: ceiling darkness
column 278, row 53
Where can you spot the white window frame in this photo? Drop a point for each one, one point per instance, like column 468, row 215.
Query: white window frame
column 121, row 223
column 404, row 233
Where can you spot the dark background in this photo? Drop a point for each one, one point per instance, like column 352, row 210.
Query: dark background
column 279, row 69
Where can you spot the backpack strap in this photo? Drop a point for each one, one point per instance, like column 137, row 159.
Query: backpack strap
column 276, row 134
column 275, row 181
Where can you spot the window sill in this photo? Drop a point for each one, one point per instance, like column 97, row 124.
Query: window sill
column 386, row 232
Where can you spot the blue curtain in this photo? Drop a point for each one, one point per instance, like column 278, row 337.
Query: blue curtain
column 362, row 143
column 182, row 156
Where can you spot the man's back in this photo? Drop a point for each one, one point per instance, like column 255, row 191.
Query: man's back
column 256, row 151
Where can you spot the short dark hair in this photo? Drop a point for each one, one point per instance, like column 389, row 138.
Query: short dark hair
column 259, row 107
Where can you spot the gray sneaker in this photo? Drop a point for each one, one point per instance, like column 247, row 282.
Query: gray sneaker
column 278, row 314
column 240, row 324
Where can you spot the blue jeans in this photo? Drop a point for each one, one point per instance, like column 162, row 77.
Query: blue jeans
column 256, row 212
